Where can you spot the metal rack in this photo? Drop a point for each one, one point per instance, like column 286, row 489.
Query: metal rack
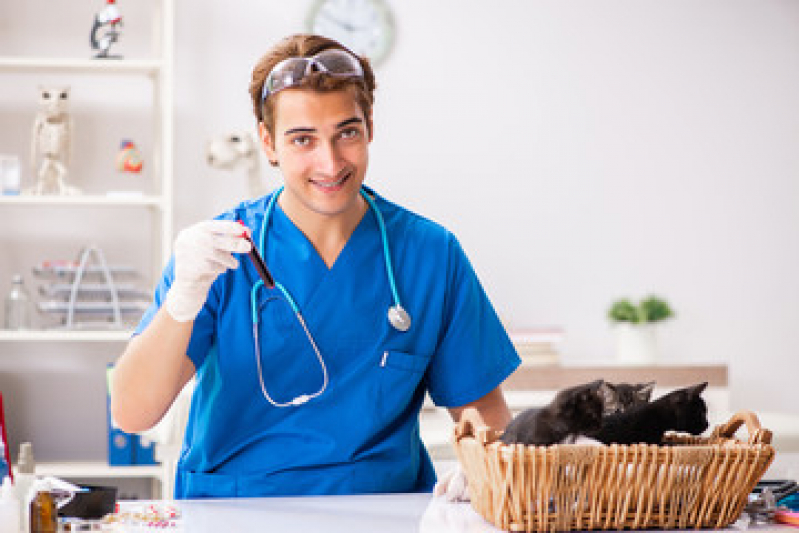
column 106, row 296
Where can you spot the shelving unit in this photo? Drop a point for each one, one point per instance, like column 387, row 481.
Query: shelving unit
column 159, row 71
column 98, row 471
column 150, row 201
column 153, row 67
column 86, row 201
column 159, row 205
column 33, row 335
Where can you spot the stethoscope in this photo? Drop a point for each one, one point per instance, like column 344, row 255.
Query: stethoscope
column 397, row 316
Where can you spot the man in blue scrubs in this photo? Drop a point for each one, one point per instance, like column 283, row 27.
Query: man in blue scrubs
column 308, row 387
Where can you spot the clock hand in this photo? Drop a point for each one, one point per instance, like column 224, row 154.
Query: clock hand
column 346, row 25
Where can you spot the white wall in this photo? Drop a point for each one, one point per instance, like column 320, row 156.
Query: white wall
column 582, row 151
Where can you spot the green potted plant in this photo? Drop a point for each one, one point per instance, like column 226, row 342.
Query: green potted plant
column 635, row 324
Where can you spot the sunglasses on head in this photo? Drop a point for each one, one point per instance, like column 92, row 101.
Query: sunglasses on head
column 290, row 72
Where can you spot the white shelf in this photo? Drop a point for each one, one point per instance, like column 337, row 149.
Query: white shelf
column 120, row 200
column 156, row 71
column 91, row 470
column 150, row 67
column 98, row 470
column 64, row 336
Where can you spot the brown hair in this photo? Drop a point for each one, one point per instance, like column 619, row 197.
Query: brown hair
column 307, row 45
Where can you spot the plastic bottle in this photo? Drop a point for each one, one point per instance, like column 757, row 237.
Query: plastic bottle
column 9, row 508
column 24, row 480
column 18, row 302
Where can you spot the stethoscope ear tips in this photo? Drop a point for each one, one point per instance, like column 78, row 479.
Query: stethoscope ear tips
column 399, row 318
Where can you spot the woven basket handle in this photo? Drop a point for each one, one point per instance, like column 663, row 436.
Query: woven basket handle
column 472, row 425
column 757, row 434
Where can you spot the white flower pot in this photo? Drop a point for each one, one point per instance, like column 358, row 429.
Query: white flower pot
column 636, row 344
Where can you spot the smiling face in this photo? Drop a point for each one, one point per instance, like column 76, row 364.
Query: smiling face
column 321, row 144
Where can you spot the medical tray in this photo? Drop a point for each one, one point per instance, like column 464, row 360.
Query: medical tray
column 689, row 482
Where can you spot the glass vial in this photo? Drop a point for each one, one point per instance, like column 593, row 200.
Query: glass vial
column 44, row 517
column 18, row 305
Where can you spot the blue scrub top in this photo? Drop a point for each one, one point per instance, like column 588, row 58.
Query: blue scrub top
column 362, row 434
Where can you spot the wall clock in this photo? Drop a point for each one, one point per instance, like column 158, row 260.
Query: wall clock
column 364, row 26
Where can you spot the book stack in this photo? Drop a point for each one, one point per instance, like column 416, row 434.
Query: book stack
column 537, row 346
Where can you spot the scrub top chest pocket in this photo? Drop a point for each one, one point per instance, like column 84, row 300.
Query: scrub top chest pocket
column 392, row 359
column 399, row 379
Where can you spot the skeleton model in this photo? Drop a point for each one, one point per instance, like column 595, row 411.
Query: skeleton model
column 235, row 150
column 51, row 144
column 106, row 29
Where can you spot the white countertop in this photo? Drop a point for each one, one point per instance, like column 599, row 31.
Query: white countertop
column 386, row 513
column 330, row 514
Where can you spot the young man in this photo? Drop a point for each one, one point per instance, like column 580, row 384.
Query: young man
column 314, row 386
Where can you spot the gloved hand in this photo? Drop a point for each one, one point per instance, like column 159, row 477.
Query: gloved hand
column 453, row 485
column 202, row 252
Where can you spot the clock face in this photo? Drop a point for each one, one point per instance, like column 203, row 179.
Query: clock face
column 364, row 26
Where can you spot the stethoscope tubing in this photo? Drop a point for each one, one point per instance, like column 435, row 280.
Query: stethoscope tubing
column 303, row 398
column 386, row 252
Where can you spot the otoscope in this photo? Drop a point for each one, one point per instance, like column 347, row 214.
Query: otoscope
column 258, row 261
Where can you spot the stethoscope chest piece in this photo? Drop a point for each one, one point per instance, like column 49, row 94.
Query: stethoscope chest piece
column 399, row 318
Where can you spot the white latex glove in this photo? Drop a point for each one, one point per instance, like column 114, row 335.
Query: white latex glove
column 202, row 252
column 453, row 486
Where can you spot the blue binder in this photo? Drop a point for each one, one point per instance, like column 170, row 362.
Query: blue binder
column 144, row 452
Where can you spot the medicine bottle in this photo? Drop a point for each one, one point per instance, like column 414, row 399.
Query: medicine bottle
column 18, row 303
column 9, row 508
column 24, row 480
column 44, row 517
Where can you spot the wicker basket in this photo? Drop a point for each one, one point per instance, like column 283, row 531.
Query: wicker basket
column 691, row 482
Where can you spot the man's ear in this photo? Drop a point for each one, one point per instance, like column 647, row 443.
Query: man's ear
column 371, row 128
column 267, row 144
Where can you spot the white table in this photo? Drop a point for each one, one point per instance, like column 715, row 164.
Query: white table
column 386, row 513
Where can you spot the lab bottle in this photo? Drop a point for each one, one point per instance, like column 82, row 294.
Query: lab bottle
column 43, row 515
column 9, row 508
column 24, row 479
column 18, row 304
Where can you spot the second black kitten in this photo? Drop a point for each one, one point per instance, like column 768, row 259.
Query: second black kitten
column 680, row 410
column 621, row 396
column 574, row 411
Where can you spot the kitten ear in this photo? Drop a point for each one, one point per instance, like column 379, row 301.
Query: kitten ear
column 644, row 390
column 606, row 392
column 695, row 390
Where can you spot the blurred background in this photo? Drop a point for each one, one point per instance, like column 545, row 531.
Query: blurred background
column 582, row 152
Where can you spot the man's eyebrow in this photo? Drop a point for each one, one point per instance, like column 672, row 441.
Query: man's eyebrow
column 342, row 124
column 353, row 120
column 299, row 130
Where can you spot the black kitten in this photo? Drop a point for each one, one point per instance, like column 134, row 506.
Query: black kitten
column 680, row 410
column 574, row 411
column 621, row 396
